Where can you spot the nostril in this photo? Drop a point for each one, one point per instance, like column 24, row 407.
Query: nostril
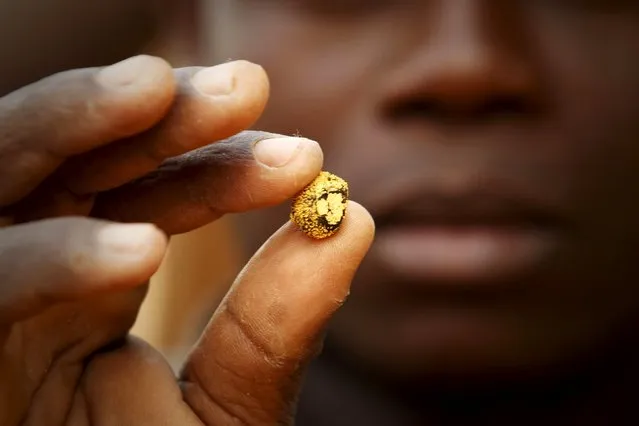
column 504, row 106
column 418, row 109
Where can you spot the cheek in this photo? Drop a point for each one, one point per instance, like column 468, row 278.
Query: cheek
column 592, row 71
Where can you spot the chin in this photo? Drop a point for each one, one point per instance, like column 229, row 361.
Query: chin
column 453, row 348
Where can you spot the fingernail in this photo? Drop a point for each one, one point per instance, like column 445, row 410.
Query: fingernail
column 215, row 81
column 126, row 238
column 276, row 152
column 127, row 72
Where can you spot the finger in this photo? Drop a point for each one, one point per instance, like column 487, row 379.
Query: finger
column 115, row 378
column 212, row 104
column 74, row 112
column 249, row 171
column 58, row 260
column 248, row 364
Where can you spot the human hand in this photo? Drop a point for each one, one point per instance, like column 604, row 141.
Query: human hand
column 96, row 168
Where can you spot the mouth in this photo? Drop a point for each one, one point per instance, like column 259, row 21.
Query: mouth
column 477, row 238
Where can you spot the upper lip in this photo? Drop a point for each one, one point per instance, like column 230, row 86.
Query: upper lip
column 472, row 208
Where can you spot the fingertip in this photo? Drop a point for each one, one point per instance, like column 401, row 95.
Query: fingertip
column 228, row 98
column 360, row 220
column 133, row 96
column 134, row 73
column 135, row 251
column 285, row 165
column 311, row 159
column 156, row 245
column 357, row 228
column 255, row 77
column 133, row 238
column 343, row 251
column 294, row 153
column 337, row 256
column 226, row 79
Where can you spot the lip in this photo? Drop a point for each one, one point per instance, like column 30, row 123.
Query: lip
column 477, row 237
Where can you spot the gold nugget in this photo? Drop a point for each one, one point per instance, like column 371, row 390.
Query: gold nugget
column 320, row 208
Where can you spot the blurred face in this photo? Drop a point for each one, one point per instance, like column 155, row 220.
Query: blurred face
column 495, row 142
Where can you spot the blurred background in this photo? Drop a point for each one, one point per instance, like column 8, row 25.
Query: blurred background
column 42, row 37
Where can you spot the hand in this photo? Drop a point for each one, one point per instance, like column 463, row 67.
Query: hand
column 97, row 166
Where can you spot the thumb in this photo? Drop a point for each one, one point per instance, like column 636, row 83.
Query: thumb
column 248, row 365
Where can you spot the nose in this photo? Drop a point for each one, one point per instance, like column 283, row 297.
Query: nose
column 474, row 62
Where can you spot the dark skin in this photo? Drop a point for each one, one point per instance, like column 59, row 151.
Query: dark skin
column 561, row 136
column 98, row 167
column 94, row 148
column 531, row 105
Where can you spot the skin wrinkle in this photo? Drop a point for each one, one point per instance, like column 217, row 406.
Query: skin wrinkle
column 249, row 331
column 519, row 123
column 78, row 409
column 69, row 411
column 251, row 335
column 226, row 155
column 229, row 157
column 57, row 361
column 234, row 411
column 118, row 386
column 227, row 411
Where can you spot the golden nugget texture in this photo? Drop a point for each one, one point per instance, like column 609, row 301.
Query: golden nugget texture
column 321, row 207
